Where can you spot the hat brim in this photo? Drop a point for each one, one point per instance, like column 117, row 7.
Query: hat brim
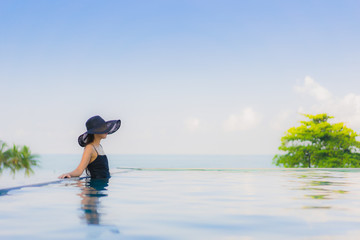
column 109, row 128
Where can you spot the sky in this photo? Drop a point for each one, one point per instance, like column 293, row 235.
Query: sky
column 185, row 76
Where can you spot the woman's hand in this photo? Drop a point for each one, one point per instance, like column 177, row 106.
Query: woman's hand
column 65, row 175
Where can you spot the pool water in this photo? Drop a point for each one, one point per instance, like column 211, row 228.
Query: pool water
column 178, row 203
column 53, row 165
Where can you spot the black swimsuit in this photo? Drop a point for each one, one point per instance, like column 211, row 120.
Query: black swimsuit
column 99, row 168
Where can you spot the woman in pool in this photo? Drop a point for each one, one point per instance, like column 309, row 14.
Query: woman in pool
column 94, row 159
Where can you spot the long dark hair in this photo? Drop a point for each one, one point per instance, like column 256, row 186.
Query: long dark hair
column 89, row 139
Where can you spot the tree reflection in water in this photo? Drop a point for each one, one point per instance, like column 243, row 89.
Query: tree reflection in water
column 320, row 186
column 92, row 191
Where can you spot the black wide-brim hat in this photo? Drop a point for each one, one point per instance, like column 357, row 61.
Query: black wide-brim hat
column 97, row 125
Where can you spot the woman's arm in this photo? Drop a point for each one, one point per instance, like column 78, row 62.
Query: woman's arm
column 88, row 151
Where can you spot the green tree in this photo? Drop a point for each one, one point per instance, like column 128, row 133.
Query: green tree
column 318, row 143
column 17, row 158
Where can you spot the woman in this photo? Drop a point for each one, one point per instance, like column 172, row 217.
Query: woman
column 94, row 159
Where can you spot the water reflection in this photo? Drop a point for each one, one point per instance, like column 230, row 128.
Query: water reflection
column 322, row 186
column 92, row 191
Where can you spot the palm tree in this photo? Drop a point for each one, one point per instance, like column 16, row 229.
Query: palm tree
column 17, row 158
column 2, row 157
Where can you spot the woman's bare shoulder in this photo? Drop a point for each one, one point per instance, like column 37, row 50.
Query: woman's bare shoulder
column 89, row 148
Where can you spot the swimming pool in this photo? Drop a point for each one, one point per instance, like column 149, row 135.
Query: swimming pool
column 153, row 203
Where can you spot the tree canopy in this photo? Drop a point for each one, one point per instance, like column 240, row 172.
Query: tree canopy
column 318, row 143
column 17, row 158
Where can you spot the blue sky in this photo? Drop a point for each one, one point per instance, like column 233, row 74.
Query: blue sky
column 185, row 77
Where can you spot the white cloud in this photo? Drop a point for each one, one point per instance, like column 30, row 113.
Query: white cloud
column 301, row 110
column 192, row 123
column 314, row 89
column 248, row 119
column 280, row 121
column 345, row 109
